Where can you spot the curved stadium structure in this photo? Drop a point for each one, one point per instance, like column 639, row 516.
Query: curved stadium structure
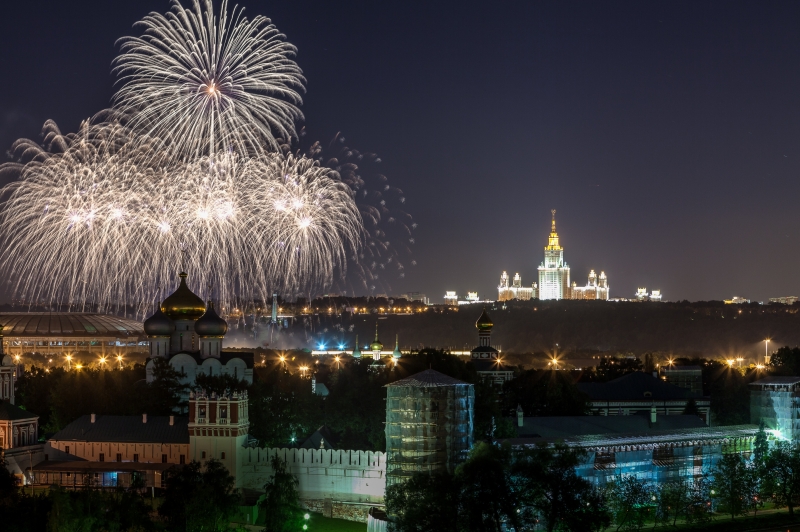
column 61, row 333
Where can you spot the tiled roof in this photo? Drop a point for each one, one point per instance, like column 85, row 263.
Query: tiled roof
column 634, row 386
column 69, row 324
column 128, row 429
column 428, row 379
column 9, row 412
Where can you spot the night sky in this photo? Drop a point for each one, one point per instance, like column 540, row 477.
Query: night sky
column 666, row 134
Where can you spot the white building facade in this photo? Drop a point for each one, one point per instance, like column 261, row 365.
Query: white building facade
column 553, row 272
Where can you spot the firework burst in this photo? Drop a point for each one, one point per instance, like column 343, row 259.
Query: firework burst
column 110, row 230
column 204, row 84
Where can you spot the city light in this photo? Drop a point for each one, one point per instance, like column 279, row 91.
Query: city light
column 119, row 359
column 102, row 361
column 730, row 362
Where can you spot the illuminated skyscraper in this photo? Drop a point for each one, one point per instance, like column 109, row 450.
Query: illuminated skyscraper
column 553, row 272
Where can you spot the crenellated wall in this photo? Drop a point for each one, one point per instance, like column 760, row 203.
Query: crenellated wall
column 340, row 475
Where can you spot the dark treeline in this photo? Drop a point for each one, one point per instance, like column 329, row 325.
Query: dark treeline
column 711, row 329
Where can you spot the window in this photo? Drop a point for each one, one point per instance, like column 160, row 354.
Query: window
column 163, row 458
column 223, row 456
column 66, row 449
column 135, row 457
column 102, row 457
column 119, row 457
column 203, row 455
column 183, row 459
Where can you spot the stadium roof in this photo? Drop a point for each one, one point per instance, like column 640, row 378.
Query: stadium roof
column 68, row 324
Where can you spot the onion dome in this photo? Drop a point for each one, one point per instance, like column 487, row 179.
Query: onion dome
column 356, row 351
column 484, row 323
column 159, row 324
column 376, row 344
column 183, row 304
column 397, row 354
column 210, row 324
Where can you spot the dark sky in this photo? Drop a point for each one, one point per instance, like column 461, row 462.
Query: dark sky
column 666, row 134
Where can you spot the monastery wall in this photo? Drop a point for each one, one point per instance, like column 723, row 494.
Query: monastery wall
column 340, row 475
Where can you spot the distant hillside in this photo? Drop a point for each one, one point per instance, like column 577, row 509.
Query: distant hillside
column 712, row 329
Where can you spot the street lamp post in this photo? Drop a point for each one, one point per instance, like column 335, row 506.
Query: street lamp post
column 766, row 351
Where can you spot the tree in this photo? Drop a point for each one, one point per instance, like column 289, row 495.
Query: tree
column 281, row 500
column 166, row 391
column 699, row 504
column 782, row 474
column 785, row 361
column 731, row 484
column 545, row 481
column 197, row 499
column 220, row 384
column 673, row 501
column 630, row 500
column 545, row 393
column 425, row 502
column 487, row 498
column 760, row 447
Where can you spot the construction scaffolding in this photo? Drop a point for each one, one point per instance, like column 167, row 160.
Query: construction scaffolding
column 429, row 424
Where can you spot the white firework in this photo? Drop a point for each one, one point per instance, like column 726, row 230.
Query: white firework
column 204, row 84
column 91, row 223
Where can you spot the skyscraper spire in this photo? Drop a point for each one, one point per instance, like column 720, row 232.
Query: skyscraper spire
column 553, row 227
column 552, row 242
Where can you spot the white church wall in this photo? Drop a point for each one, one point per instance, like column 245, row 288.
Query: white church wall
column 341, row 475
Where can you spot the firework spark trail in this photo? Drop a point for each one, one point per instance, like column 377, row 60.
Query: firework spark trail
column 190, row 170
column 93, row 224
column 204, row 84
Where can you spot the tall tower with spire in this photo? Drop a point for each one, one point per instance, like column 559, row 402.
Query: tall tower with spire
column 553, row 271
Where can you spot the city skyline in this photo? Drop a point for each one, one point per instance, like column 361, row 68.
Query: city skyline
column 664, row 134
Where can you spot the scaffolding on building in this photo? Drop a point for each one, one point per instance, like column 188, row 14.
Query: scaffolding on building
column 429, row 424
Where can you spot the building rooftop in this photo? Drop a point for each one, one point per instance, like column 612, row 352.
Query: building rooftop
column 429, row 378
column 634, row 386
column 322, row 436
column 9, row 412
column 74, row 324
column 569, row 426
column 655, row 437
column 129, row 429
column 777, row 380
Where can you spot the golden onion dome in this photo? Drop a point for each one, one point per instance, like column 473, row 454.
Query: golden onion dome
column 484, row 323
column 183, row 304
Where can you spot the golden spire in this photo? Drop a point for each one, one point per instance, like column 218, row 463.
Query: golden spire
column 553, row 240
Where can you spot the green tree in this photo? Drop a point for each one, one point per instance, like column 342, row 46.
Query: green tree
column 281, row 503
column 673, row 500
column 785, row 361
column 545, row 481
column 782, row 475
column 732, row 484
column 199, row 499
column 630, row 501
column 425, row 502
column 166, row 391
column 545, row 393
column 699, row 503
column 760, row 447
column 220, row 384
column 487, row 498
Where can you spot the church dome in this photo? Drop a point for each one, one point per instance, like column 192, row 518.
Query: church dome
column 158, row 324
column 210, row 324
column 183, row 304
column 376, row 344
column 484, row 323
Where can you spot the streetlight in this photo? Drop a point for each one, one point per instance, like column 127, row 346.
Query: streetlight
column 766, row 351
column 730, row 362
column 69, row 362
column 102, row 361
column 119, row 359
